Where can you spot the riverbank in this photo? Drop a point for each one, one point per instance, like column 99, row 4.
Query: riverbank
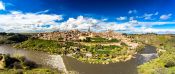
column 18, row 65
column 94, row 54
column 12, row 38
column 127, row 67
column 165, row 63
column 46, row 62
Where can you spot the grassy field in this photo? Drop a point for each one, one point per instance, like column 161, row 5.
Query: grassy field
column 40, row 45
column 102, row 40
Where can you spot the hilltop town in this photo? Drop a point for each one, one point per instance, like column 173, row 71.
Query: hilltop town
column 91, row 47
column 76, row 35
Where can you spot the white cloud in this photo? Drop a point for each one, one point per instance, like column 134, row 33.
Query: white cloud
column 134, row 23
column 121, row 18
column 17, row 21
column 157, row 13
column 154, row 30
column 27, row 22
column 165, row 16
column 131, row 18
column 132, row 11
column 41, row 12
column 83, row 23
column 80, row 23
column 2, row 6
column 104, row 19
column 148, row 16
column 15, row 12
column 145, row 27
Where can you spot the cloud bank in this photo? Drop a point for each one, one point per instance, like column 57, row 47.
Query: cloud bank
column 83, row 23
column 17, row 21
column 121, row 18
column 32, row 22
column 2, row 6
column 165, row 16
column 132, row 11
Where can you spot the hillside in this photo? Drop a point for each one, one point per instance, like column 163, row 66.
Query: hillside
column 91, row 47
column 10, row 38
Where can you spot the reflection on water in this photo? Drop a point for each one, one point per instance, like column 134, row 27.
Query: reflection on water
column 128, row 67
column 41, row 58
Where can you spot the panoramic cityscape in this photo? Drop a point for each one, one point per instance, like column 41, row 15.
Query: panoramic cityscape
column 87, row 37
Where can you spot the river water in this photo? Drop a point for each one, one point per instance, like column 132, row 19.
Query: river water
column 128, row 67
column 41, row 58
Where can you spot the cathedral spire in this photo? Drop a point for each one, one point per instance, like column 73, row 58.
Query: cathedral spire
column 89, row 29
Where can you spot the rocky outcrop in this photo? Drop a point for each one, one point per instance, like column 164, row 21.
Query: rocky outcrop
column 146, row 54
column 56, row 61
column 142, row 58
column 2, row 62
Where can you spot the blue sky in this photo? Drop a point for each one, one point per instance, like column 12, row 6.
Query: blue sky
column 129, row 16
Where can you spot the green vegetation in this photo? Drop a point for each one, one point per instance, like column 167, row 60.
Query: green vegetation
column 32, row 71
column 165, row 63
column 96, row 53
column 103, row 54
column 9, row 38
column 152, row 39
column 100, row 39
column 41, row 45
column 49, row 46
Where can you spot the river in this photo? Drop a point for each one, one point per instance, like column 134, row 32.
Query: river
column 128, row 67
column 41, row 58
